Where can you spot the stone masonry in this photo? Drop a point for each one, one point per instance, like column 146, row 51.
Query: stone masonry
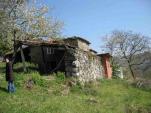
column 83, row 64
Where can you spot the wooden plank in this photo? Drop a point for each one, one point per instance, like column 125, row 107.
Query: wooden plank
column 43, row 59
column 23, row 59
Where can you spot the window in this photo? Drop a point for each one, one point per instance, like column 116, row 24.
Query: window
column 50, row 51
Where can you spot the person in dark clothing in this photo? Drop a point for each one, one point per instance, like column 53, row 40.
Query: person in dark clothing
column 9, row 76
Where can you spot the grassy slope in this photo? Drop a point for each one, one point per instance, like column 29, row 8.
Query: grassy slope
column 106, row 96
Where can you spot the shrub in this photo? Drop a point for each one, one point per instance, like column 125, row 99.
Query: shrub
column 19, row 79
column 76, row 88
column 38, row 80
column 60, row 77
column 22, row 79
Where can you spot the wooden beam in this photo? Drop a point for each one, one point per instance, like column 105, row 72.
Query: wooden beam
column 43, row 58
column 23, row 59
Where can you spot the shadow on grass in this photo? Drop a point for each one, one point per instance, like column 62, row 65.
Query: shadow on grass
column 3, row 89
column 19, row 69
column 29, row 69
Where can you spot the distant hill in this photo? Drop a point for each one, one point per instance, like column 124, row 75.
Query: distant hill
column 142, row 70
column 145, row 68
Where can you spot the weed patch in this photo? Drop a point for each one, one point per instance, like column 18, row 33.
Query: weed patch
column 58, row 94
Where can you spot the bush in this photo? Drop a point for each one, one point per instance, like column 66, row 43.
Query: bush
column 60, row 77
column 38, row 80
column 76, row 88
column 20, row 79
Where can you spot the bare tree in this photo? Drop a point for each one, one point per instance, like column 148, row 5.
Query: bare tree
column 128, row 46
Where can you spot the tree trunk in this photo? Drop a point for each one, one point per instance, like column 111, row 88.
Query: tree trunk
column 15, row 46
column 44, row 61
column 14, row 39
column 23, row 59
column 131, row 70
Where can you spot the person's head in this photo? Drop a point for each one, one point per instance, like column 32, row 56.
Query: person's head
column 7, row 60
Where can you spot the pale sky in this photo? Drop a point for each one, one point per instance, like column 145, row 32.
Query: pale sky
column 92, row 19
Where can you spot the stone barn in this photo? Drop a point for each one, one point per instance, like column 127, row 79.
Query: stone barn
column 72, row 56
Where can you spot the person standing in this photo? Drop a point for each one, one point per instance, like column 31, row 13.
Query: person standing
column 9, row 76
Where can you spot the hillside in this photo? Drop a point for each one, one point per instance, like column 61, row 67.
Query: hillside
column 55, row 94
column 143, row 70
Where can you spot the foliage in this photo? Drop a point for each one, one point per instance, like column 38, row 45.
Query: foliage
column 60, row 77
column 3, row 47
column 38, row 80
column 22, row 20
column 115, row 70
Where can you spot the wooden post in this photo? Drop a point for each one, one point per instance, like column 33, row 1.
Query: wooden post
column 23, row 59
column 43, row 58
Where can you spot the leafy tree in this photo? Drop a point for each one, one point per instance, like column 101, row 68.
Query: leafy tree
column 22, row 20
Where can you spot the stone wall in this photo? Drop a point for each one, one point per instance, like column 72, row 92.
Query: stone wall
column 77, row 43
column 72, row 42
column 83, row 65
column 82, row 45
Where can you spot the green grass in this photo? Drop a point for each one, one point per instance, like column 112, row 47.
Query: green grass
column 52, row 94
